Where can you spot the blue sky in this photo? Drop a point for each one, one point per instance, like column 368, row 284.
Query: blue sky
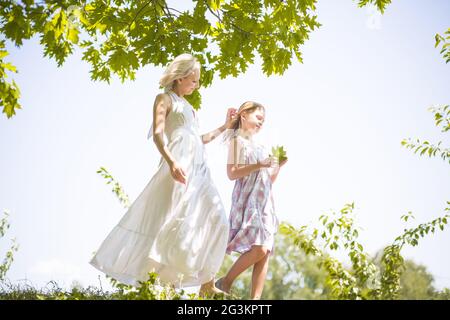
column 365, row 84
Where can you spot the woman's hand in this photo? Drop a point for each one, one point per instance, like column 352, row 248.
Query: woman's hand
column 178, row 173
column 231, row 118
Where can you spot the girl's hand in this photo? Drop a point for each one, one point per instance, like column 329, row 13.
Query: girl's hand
column 231, row 118
column 282, row 163
column 178, row 173
column 278, row 165
column 268, row 162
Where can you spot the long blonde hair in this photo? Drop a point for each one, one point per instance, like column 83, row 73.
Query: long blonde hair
column 180, row 67
column 246, row 107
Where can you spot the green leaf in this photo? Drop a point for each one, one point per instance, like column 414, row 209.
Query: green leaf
column 279, row 153
column 72, row 35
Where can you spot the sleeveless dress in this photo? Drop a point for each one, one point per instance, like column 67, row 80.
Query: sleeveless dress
column 252, row 217
column 180, row 232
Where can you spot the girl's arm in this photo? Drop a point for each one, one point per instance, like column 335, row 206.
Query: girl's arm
column 235, row 168
column 161, row 109
column 274, row 174
column 276, row 171
column 235, row 172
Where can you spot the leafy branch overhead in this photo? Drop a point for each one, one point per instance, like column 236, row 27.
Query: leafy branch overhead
column 445, row 50
column 9, row 91
column 118, row 37
column 442, row 119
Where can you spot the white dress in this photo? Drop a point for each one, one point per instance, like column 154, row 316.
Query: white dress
column 180, row 232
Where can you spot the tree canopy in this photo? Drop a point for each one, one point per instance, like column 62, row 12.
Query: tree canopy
column 117, row 37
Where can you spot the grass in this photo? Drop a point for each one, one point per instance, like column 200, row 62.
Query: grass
column 148, row 290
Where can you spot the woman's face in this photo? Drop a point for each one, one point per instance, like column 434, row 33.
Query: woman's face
column 253, row 121
column 188, row 84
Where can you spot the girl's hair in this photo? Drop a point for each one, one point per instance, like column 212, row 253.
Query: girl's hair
column 180, row 67
column 247, row 107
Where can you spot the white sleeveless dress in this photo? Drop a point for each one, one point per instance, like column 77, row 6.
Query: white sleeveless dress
column 180, row 232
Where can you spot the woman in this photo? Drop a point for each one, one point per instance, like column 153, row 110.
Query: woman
column 177, row 227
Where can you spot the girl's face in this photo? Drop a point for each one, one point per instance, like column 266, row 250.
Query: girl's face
column 188, row 84
column 253, row 121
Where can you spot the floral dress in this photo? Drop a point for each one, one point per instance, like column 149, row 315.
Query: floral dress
column 252, row 216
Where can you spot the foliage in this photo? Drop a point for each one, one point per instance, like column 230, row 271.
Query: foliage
column 392, row 261
column 118, row 37
column 442, row 295
column 416, row 283
column 364, row 279
column 427, row 148
column 442, row 119
column 337, row 230
column 293, row 274
column 52, row 291
column 9, row 91
column 445, row 50
column 117, row 188
column 148, row 290
column 9, row 257
column 380, row 4
column 279, row 153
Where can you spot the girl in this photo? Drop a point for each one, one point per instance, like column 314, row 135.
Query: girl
column 253, row 222
column 177, row 227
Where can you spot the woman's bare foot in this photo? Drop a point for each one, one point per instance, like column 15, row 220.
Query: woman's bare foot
column 209, row 290
column 223, row 285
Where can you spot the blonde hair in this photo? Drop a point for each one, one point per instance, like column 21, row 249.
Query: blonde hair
column 246, row 107
column 182, row 66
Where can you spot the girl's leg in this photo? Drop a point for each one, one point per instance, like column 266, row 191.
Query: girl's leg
column 259, row 276
column 245, row 261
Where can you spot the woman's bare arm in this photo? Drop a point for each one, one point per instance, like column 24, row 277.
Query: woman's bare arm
column 210, row 136
column 161, row 109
